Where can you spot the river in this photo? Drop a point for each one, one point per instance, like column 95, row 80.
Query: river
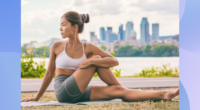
column 131, row 65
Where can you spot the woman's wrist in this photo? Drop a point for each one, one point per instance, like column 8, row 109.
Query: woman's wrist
column 91, row 61
column 37, row 98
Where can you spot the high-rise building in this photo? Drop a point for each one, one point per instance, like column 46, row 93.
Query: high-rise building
column 108, row 32
column 102, row 34
column 144, row 31
column 124, row 34
column 120, row 32
column 129, row 28
column 132, row 36
column 155, row 31
column 113, row 37
column 93, row 37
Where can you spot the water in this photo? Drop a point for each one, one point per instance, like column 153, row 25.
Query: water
column 131, row 65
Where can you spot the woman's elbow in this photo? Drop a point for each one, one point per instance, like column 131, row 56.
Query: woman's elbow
column 116, row 62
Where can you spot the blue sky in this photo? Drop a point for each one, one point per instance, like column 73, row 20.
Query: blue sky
column 40, row 19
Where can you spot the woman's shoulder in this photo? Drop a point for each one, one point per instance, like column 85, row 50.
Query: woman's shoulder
column 88, row 44
column 90, row 47
column 57, row 44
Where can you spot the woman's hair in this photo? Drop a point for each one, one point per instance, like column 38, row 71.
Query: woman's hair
column 76, row 18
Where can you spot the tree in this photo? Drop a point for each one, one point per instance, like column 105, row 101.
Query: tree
column 147, row 50
column 136, row 52
column 42, row 52
column 103, row 48
column 125, row 50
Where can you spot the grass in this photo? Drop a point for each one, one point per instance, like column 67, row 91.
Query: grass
column 146, row 105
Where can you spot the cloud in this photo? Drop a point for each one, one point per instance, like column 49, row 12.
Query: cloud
column 24, row 2
column 37, row 30
column 167, row 6
column 45, row 15
column 99, row 7
column 86, row 2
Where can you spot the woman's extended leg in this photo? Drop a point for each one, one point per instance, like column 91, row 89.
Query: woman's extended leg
column 116, row 91
column 83, row 77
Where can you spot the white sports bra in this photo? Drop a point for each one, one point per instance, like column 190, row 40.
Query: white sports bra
column 65, row 62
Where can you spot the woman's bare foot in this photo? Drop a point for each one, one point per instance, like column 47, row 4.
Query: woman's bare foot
column 170, row 94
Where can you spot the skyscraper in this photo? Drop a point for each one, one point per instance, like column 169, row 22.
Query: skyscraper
column 132, row 36
column 144, row 31
column 113, row 37
column 108, row 32
column 129, row 28
column 93, row 37
column 102, row 34
column 120, row 32
column 155, row 31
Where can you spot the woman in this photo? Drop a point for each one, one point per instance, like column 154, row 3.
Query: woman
column 76, row 62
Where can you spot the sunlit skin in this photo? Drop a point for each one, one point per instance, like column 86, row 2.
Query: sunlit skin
column 100, row 63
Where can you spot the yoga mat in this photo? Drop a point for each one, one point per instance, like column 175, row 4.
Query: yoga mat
column 41, row 103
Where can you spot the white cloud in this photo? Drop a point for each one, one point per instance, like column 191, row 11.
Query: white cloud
column 24, row 2
column 86, row 2
column 37, row 30
column 45, row 15
column 169, row 6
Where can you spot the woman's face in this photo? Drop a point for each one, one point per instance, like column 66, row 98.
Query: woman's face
column 66, row 29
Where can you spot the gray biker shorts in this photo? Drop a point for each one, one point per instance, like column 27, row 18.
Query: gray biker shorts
column 66, row 90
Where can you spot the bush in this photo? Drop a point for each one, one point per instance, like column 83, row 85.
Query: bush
column 164, row 71
column 31, row 69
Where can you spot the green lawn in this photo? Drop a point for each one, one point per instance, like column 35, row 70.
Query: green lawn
column 146, row 105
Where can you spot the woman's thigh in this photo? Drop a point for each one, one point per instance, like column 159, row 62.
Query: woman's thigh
column 84, row 76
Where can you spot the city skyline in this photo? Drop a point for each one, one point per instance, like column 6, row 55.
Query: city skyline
column 43, row 22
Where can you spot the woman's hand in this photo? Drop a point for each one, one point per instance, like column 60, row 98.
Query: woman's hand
column 30, row 99
column 84, row 63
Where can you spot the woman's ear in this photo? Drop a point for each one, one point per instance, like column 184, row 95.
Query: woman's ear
column 75, row 27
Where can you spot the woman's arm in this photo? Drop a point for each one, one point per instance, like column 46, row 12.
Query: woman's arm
column 49, row 73
column 107, row 60
column 47, row 77
column 104, row 62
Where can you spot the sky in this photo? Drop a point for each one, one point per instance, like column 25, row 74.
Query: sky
column 40, row 19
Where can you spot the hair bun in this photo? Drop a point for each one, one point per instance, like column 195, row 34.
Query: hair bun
column 85, row 18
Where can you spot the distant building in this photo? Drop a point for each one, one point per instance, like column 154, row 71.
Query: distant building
column 113, row 47
column 113, row 37
column 176, row 37
column 168, row 41
column 121, row 33
column 155, row 31
column 124, row 35
column 167, row 37
column 129, row 28
column 108, row 33
column 144, row 31
column 35, row 44
column 93, row 38
column 102, row 34
column 132, row 35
